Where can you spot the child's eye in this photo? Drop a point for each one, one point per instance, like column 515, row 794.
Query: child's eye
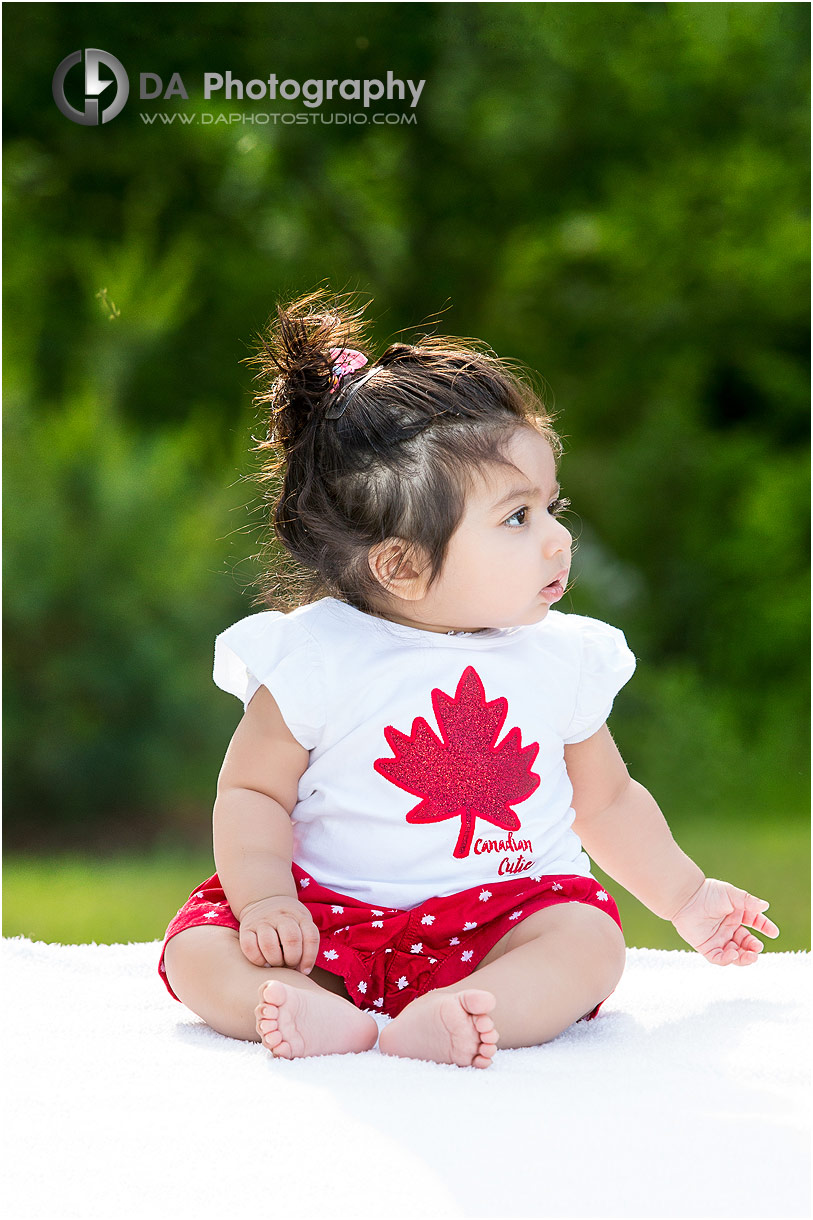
column 521, row 512
column 555, row 508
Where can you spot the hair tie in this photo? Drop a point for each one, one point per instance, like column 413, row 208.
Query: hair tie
column 347, row 360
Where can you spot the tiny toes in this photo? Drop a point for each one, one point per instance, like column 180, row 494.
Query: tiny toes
column 477, row 1003
column 273, row 992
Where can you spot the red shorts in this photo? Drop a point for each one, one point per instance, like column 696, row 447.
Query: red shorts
column 388, row 957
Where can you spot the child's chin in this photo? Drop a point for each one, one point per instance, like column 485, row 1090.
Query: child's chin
column 534, row 614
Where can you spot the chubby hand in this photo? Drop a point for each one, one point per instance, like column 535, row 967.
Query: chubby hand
column 279, row 931
column 715, row 922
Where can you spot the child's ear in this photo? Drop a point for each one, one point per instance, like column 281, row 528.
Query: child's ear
column 397, row 567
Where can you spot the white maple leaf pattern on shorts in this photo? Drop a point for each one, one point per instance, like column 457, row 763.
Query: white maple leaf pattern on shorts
column 485, row 895
column 362, row 988
column 602, row 895
column 303, row 881
column 337, row 910
column 515, row 915
column 467, row 927
column 198, row 895
column 417, row 948
column 210, row 915
column 379, row 1003
column 557, row 886
column 330, row 954
column 467, row 955
column 376, row 913
column 377, row 923
column 455, row 940
column 428, row 919
column 402, row 983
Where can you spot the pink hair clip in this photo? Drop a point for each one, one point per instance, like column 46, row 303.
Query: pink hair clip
column 346, row 360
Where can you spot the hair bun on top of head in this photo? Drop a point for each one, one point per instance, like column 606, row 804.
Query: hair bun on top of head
column 305, row 350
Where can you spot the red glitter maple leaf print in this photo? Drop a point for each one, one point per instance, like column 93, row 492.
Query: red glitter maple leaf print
column 464, row 775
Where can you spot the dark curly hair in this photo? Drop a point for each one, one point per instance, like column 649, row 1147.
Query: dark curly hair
column 399, row 461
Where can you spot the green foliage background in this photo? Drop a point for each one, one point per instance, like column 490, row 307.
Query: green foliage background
column 615, row 195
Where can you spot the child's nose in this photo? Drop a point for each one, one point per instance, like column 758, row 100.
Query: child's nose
column 558, row 539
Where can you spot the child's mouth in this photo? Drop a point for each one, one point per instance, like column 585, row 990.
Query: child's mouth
column 556, row 589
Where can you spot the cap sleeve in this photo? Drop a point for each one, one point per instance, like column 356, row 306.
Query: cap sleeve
column 606, row 665
column 271, row 649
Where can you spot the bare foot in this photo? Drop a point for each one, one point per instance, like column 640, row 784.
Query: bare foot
column 446, row 1027
column 293, row 1023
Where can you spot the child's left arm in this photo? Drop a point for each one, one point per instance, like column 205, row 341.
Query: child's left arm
column 624, row 831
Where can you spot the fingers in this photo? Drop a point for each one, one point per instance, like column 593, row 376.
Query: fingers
column 261, row 945
column 284, row 943
column 742, row 949
column 723, row 955
column 286, row 939
column 751, row 910
column 761, row 923
column 250, row 947
column 749, row 948
column 310, row 946
column 766, row 926
column 719, row 929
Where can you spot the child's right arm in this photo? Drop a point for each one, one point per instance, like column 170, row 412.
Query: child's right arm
column 253, row 838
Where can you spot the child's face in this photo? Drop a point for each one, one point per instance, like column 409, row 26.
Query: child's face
column 509, row 559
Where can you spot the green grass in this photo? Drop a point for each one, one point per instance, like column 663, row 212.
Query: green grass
column 78, row 899
column 75, row 899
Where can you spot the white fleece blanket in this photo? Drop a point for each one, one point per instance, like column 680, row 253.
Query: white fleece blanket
column 688, row 1096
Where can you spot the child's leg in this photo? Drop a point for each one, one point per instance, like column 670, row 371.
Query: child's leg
column 547, row 973
column 291, row 1013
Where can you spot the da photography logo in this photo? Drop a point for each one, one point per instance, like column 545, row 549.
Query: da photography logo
column 94, row 86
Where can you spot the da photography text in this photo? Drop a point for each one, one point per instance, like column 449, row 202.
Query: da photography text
column 312, row 93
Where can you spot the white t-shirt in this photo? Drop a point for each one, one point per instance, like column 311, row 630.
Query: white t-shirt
column 436, row 761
